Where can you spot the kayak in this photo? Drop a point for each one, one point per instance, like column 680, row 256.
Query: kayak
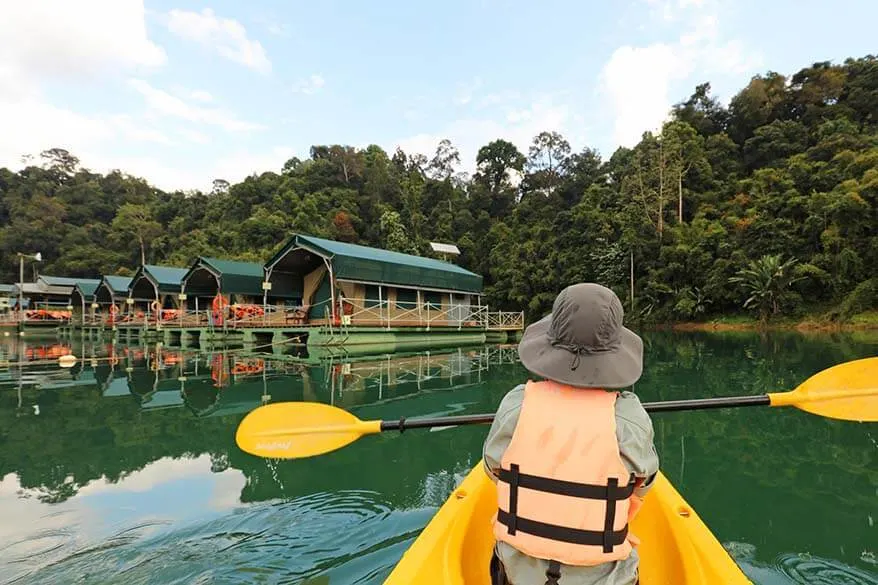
column 676, row 547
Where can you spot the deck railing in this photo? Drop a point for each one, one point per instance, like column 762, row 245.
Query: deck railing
column 506, row 321
column 348, row 312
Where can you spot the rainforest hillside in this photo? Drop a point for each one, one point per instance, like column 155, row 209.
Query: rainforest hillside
column 769, row 205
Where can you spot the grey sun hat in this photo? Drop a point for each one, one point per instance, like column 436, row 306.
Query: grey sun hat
column 582, row 342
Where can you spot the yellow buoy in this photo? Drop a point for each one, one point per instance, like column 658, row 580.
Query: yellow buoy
column 67, row 361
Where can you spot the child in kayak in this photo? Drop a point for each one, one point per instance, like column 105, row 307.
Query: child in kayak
column 571, row 455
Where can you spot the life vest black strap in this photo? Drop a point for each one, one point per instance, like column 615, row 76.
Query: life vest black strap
column 568, row 488
column 610, row 516
column 553, row 573
column 514, row 478
column 563, row 533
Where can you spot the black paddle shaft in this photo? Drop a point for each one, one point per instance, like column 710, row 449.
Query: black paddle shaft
column 667, row 406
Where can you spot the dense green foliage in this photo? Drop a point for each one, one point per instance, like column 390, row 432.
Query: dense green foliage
column 789, row 168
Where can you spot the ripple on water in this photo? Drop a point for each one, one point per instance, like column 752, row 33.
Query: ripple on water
column 350, row 536
column 815, row 570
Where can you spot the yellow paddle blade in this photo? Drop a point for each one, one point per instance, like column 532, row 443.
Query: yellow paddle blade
column 290, row 430
column 848, row 391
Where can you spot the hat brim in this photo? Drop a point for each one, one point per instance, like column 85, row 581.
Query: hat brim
column 617, row 368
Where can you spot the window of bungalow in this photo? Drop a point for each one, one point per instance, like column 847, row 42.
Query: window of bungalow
column 406, row 298
column 432, row 300
column 372, row 296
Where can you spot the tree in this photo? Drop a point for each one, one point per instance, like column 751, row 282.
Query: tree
column 546, row 159
column 497, row 161
column 136, row 221
column 343, row 230
column 444, row 161
column 395, row 237
column 60, row 161
column 220, row 187
column 766, row 281
column 702, row 111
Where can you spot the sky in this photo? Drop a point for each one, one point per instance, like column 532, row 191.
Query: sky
column 182, row 93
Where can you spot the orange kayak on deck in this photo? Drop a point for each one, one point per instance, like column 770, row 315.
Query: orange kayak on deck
column 455, row 548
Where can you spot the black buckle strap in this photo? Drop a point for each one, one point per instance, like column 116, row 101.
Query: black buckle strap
column 568, row 488
column 553, row 573
column 610, row 518
column 514, row 478
column 563, row 533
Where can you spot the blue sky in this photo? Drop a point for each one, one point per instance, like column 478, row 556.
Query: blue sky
column 185, row 92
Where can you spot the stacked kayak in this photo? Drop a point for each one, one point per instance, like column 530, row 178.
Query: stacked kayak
column 676, row 547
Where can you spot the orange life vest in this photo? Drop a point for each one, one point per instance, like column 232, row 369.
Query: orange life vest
column 564, row 493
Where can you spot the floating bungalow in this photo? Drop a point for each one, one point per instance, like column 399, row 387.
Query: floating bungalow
column 82, row 299
column 46, row 303
column 373, row 287
column 223, row 292
column 152, row 296
column 323, row 293
column 110, row 297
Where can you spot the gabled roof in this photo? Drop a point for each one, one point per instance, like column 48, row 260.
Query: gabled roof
column 117, row 284
column 166, row 278
column 87, row 288
column 354, row 262
column 56, row 283
column 235, row 277
column 38, row 289
column 59, row 280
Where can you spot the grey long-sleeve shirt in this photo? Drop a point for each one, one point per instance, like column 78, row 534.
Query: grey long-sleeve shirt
column 635, row 435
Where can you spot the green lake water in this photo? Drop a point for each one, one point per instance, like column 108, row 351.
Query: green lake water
column 123, row 469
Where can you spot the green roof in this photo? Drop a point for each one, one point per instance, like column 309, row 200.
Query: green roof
column 59, row 280
column 87, row 288
column 6, row 288
column 235, row 277
column 354, row 262
column 166, row 278
column 117, row 284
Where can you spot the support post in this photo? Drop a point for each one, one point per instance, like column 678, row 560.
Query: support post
column 21, row 290
column 380, row 305
column 331, row 287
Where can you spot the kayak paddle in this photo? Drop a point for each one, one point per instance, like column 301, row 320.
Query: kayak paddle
column 291, row 430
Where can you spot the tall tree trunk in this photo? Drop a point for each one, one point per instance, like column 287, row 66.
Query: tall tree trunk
column 632, row 280
column 661, row 193
column 680, row 200
column 142, row 252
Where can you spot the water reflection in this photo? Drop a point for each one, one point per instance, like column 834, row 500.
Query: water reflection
column 125, row 464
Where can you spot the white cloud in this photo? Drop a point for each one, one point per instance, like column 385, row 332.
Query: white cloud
column 200, row 95
column 67, row 41
column 310, row 86
column 639, row 81
column 165, row 104
column 226, row 36
column 59, row 38
column 193, row 136
column 465, row 91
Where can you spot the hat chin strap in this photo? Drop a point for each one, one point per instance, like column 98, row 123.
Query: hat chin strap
column 577, row 349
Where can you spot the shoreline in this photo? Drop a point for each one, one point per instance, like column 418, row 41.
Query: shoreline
column 805, row 326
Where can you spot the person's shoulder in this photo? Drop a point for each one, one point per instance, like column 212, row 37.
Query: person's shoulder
column 512, row 400
column 630, row 411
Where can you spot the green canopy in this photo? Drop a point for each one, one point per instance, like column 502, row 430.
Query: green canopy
column 228, row 276
column 167, row 279
column 86, row 289
column 374, row 265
